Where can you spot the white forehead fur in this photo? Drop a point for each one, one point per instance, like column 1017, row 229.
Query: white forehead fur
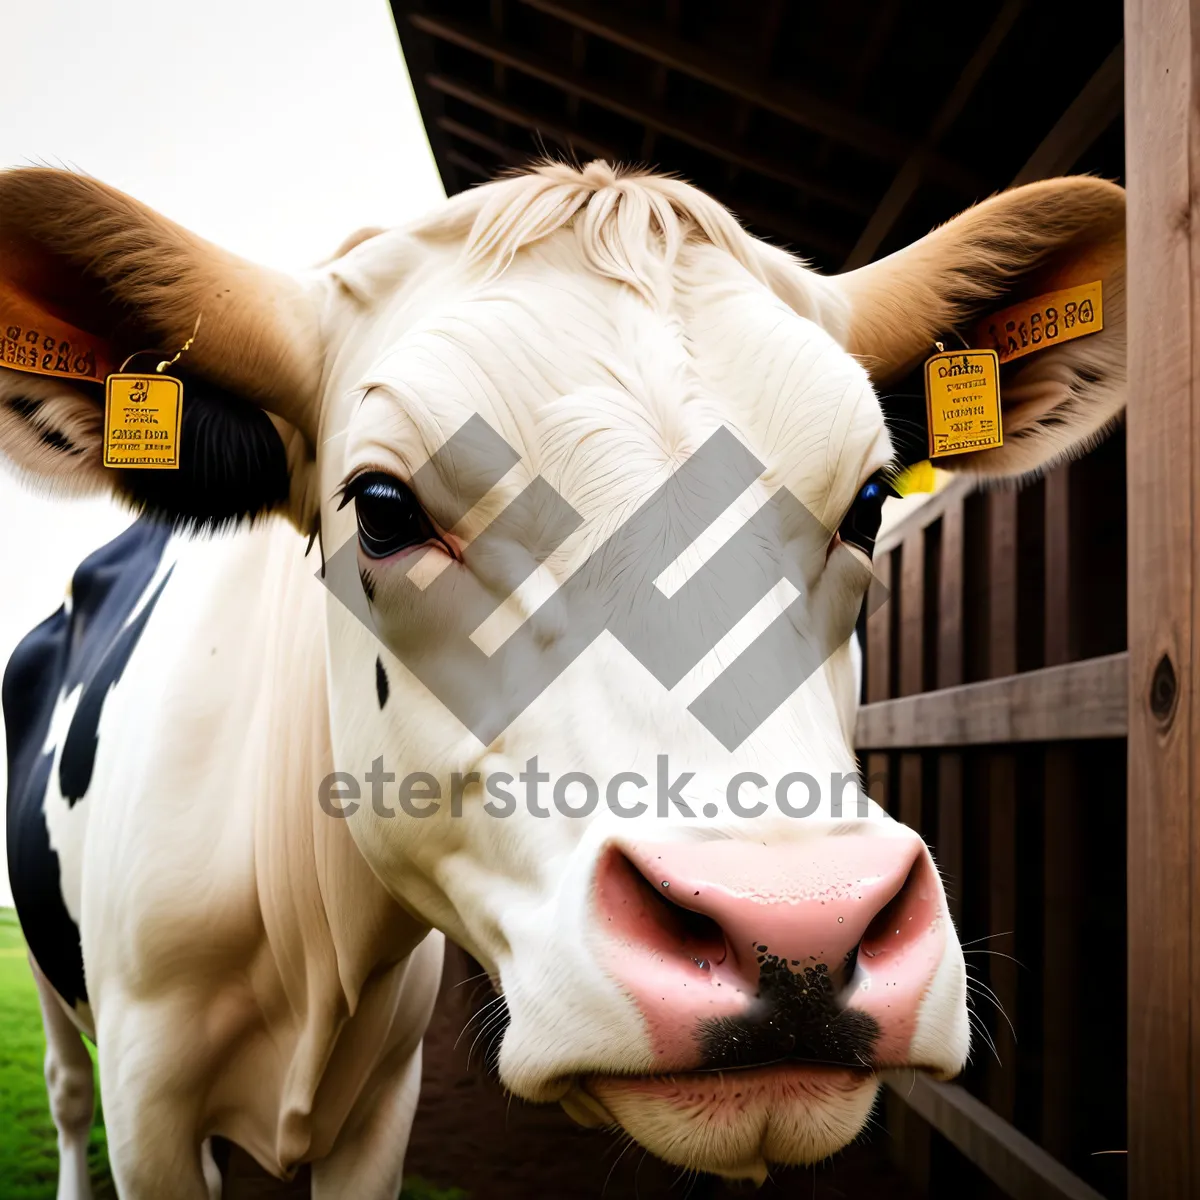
column 605, row 325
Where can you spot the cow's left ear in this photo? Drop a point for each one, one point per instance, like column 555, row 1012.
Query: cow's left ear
column 88, row 277
column 1016, row 246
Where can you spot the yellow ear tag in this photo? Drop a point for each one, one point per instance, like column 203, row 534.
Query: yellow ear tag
column 920, row 477
column 142, row 414
column 33, row 339
column 141, row 420
column 962, row 401
column 1043, row 321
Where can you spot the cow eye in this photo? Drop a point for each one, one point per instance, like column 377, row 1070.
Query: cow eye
column 860, row 527
column 389, row 517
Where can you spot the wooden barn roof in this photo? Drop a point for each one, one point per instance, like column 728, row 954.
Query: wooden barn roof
column 841, row 130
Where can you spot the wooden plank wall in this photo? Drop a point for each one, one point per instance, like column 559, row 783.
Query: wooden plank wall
column 1163, row 158
column 994, row 721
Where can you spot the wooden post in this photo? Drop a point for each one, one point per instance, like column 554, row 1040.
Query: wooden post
column 912, row 1138
column 1163, row 160
column 879, row 640
column 1065, row 906
column 949, row 674
column 879, row 679
column 1002, row 798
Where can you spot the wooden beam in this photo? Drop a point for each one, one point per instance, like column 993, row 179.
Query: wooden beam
column 1162, row 154
column 1018, row 1166
column 470, row 165
column 775, row 224
column 418, row 61
column 800, row 237
column 804, row 238
column 769, row 16
column 579, row 49
column 1096, row 107
column 1089, row 115
column 908, row 179
column 1074, row 701
column 497, row 15
column 507, row 154
column 893, row 203
column 504, row 111
column 658, row 78
column 873, row 47
column 698, row 134
column 783, row 99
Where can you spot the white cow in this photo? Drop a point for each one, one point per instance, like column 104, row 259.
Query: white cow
column 243, row 810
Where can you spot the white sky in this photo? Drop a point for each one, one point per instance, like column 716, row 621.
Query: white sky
column 273, row 127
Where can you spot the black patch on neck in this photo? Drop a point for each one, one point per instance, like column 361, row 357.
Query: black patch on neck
column 232, row 465
column 796, row 1018
column 67, row 649
column 381, row 682
column 78, row 758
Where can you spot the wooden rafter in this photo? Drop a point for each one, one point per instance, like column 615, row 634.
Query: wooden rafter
column 917, row 165
column 686, row 130
column 781, row 98
column 1089, row 115
column 515, row 114
column 769, row 221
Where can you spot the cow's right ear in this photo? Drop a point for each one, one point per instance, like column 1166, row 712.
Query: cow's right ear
column 88, row 277
column 1013, row 249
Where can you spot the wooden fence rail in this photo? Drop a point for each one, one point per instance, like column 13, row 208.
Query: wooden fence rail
column 1078, row 700
column 1007, row 1157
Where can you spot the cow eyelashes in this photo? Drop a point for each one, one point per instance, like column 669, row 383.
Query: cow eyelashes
column 389, row 517
column 860, row 526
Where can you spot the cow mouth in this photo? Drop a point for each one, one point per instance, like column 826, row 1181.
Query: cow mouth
column 733, row 1122
column 724, row 1087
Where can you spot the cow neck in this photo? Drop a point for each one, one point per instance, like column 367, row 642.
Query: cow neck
column 326, row 915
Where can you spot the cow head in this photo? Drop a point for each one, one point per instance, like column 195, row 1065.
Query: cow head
column 596, row 477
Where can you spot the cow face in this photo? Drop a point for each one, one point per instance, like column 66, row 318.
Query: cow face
column 596, row 477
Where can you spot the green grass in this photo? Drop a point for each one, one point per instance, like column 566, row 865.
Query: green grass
column 28, row 1144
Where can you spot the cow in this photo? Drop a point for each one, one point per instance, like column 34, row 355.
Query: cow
column 267, row 754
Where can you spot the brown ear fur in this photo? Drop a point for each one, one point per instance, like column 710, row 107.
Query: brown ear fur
column 95, row 257
column 1014, row 246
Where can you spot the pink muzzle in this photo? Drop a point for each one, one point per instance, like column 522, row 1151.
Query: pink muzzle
column 739, row 954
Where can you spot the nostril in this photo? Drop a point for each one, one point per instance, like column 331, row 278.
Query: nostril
column 846, row 975
column 903, row 918
column 646, row 914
